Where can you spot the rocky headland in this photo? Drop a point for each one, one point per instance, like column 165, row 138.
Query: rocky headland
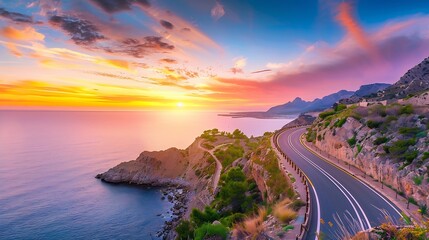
column 195, row 180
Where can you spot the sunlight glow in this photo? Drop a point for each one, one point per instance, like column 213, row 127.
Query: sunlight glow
column 179, row 104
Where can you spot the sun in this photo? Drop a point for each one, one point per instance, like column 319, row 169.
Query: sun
column 179, row 105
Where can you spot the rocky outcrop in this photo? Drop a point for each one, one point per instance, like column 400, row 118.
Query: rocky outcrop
column 160, row 168
column 182, row 173
column 301, row 120
column 415, row 81
column 388, row 143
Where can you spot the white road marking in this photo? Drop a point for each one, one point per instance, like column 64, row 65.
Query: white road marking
column 335, row 182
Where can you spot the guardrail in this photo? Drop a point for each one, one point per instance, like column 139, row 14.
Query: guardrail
column 304, row 179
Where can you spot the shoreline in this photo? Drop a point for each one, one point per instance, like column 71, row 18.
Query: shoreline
column 176, row 194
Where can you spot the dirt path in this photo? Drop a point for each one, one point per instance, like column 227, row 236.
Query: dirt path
column 218, row 163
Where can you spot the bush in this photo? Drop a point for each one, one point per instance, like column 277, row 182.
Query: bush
column 340, row 122
column 410, row 132
column 232, row 219
column 407, row 109
column 352, row 141
column 425, row 155
column 373, row 124
column 211, row 230
column 207, row 216
column 229, row 155
column 310, row 136
column 339, row 107
column 237, row 134
column 399, row 147
column 418, row 180
column 326, row 114
column 283, row 212
column 380, row 140
column 184, row 230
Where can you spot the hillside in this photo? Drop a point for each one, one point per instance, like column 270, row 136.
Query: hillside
column 365, row 91
column 299, row 106
column 415, row 81
column 219, row 185
column 389, row 143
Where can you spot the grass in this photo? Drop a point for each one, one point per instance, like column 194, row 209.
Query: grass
column 283, row 212
column 251, row 227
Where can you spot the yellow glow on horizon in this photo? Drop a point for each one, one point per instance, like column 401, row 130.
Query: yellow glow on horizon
column 180, row 105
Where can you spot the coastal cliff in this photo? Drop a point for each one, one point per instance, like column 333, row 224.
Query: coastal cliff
column 225, row 175
column 389, row 143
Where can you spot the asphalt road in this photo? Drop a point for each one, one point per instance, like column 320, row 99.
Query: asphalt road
column 341, row 204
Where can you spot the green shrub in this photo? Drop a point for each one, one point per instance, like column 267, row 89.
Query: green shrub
column 412, row 200
column 288, row 227
column 411, row 132
column 229, row 155
column 340, row 122
column 380, row 140
column 421, row 134
column 184, row 230
column 232, row 219
column 425, row 155
column 373, row 124
column 326, row 114
column 339, row 107
column 327, row 123
column 409, row 156
column 310, row 136
column 207, row 216
column 237, row 134
column 391, row 118
column 359, row 148
column 418, row 180
column 401, row 146
column 352, row 141
column 211, row 230
column 407, row 109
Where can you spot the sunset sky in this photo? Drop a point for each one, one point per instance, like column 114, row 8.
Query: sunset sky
column 201, row 54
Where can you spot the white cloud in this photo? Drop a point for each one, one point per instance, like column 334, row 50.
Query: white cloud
column 217, row 11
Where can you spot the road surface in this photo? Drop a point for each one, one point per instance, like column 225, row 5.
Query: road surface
column 341, row 204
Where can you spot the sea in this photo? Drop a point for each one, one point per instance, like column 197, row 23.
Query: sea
column 48, row 161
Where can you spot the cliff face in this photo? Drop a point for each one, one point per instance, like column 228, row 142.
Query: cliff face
column 387, row 142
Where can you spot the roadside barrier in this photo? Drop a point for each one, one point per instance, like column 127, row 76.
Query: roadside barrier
column 303, row 178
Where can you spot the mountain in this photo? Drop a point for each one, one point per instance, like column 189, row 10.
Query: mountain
column 368, row 89
column 415, row 81
column 299, row 106
column 365, row 91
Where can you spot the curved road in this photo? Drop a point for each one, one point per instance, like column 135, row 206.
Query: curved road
column 341, row 204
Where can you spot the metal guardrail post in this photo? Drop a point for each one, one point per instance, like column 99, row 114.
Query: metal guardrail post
column 304, row 226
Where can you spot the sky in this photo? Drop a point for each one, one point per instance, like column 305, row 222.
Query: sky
column 201, row 54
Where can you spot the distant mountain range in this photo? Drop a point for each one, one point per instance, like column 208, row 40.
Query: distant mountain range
column 298, row 105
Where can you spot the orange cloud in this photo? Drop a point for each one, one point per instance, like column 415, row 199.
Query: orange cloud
column 14, row 50
column 25, row 34
column 114, row 63
column 346, row 19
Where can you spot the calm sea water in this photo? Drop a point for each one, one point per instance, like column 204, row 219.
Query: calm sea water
column 48, row 161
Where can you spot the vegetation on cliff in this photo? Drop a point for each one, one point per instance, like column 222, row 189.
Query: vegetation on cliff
column 390, row 142
column 251, row 188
